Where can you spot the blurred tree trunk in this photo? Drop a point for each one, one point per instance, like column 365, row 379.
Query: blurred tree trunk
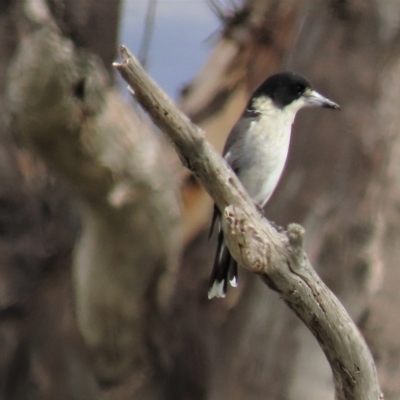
column 42, row 354
column 341, row 183
column 125, row 254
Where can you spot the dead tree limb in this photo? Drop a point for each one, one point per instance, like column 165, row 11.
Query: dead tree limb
column 278, row 258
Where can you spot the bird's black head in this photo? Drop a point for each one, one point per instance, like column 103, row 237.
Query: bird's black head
column 283, row 88
column 288, row 88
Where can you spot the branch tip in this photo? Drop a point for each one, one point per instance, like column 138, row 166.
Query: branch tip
column 123, row 50
column 125, row 54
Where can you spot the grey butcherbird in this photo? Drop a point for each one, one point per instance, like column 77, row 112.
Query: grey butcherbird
column 256, row 150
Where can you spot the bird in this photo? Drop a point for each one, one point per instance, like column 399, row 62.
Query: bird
column 256, row 149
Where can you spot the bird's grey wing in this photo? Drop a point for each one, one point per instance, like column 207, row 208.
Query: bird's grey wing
column 234, row 150
column 225, row 267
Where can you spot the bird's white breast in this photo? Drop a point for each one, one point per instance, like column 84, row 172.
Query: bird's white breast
column 267, row 141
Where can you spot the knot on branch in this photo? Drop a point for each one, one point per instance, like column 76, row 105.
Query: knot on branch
column 295, row 234
column 244, row 240
column 235, row 223
column 297, row 257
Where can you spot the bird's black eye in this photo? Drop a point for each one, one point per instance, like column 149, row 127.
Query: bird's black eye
column 300, row 89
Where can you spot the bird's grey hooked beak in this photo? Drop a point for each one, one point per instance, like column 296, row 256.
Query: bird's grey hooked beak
column 313, row 98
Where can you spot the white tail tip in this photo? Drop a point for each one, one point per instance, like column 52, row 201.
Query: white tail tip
column 233, row 281
column 217, row 290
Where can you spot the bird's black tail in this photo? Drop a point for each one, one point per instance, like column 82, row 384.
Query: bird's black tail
column 225, row 267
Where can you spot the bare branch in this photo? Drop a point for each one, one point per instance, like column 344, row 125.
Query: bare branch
column 278, row 258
